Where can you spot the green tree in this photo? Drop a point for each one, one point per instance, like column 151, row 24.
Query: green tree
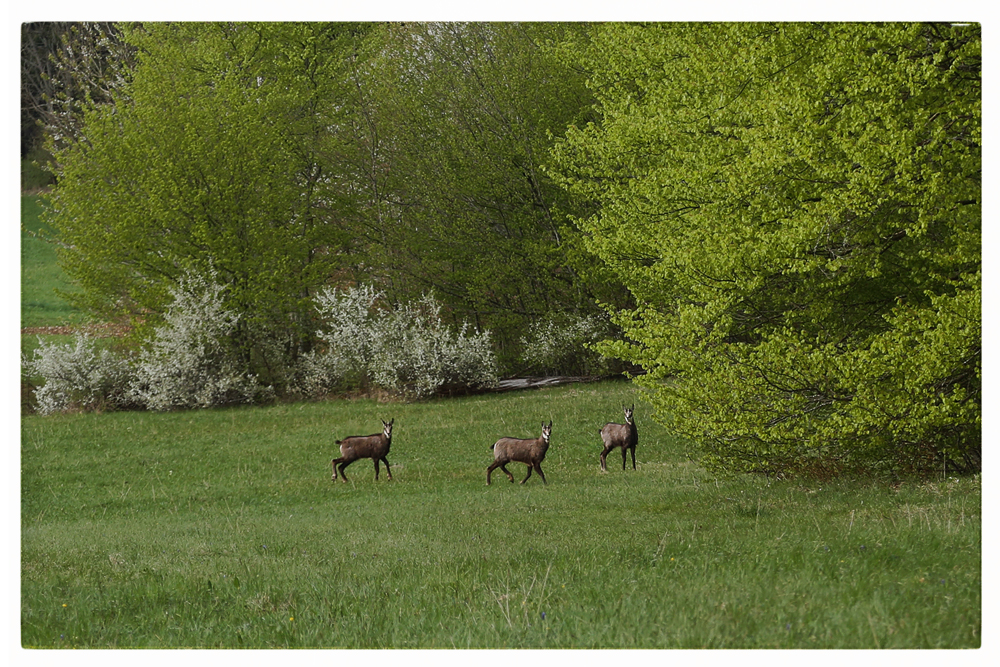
column 796, row 210
column 458, row 118
column 221, row 154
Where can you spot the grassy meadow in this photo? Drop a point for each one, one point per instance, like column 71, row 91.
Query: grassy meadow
column 40, row 274
column 222, row 528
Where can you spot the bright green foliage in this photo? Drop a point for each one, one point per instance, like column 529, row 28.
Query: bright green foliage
column 796, row 210
column 209, row 160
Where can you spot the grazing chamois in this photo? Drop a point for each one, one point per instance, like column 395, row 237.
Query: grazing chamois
column 620, row 435
column 374, row 447
column 530, row 452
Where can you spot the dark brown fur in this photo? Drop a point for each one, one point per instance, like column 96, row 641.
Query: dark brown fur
column 375, row 447
column 529, row 452
column 620, row 435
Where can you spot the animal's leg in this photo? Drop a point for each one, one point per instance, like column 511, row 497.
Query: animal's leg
column 343, row 474
column 503, row 466
column 489, row 471
column 624, row 456
column 632, row 449
column 334, row 465
column 538, row 467
column 375, row 461
column 604, row 459
column 387, row 470
column 528, row 475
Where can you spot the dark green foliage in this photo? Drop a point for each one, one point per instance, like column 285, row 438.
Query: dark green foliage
column 458, row 118
column 291, row 156
column 796, row 210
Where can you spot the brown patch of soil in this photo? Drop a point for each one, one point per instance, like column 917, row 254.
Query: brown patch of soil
column 103, row 330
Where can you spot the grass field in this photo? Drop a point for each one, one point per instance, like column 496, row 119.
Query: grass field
column 222, row 528
column 40, row 274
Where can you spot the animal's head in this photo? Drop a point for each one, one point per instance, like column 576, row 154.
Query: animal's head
column 628, row 413
column 387, row 427
column 546, row 431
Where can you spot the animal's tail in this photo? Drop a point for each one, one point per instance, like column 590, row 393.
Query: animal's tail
column 339, row 441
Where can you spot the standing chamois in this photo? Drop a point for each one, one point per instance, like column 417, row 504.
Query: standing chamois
column 374, row 447
column 530, row 452
column 620, row 435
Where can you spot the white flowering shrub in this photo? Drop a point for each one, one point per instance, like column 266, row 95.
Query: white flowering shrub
column 345, row 342
column 188, row 363
column 562, row 343
column 350, row 327
column 408, row 349
column 416, row 353
column 78, row 376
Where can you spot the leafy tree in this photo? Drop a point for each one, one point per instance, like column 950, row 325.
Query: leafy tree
column 457, row 121
column 288, row 156
column 796, row 210
column 219, row 155
column 64, row 68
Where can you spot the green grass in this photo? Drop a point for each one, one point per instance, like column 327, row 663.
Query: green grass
column 41, row 276
column 222, row 528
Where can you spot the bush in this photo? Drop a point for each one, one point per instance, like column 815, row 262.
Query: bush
column 78, row 376
column 408, row 349
column 415, row 353
column 190, row 362
column 562, row 343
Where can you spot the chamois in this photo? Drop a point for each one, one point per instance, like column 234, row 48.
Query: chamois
column 530, row 452
column 620, row 435
column 374, row 447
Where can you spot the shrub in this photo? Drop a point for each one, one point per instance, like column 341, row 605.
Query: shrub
column 562, row 343
column 407, row 349
column 416, row 353
column 78, row 376
column 190, row 361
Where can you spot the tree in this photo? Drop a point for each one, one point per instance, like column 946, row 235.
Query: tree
column 456, row 121
column 287, row 157
column 65, row 66
column 796, row 210
column 218, row 155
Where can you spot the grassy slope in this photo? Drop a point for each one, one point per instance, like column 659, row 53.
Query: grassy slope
column 40, row 274
column 223, row 528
